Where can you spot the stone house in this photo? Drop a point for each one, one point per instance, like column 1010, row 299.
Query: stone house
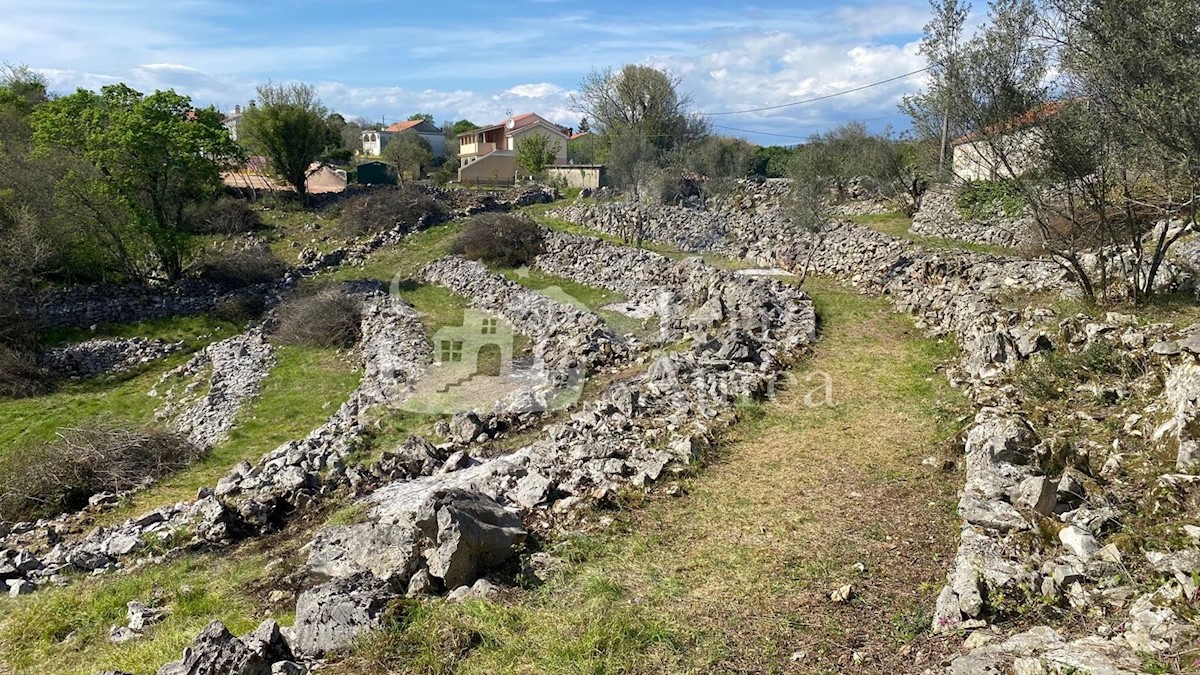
column 489, row 154
column 978, row 155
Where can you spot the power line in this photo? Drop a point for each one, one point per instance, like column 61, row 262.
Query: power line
column 821, row 98
column 811, row 126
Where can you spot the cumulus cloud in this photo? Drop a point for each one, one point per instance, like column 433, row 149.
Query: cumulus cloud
column 407, row 61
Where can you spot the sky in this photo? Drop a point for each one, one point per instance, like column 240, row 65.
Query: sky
column 482, row 60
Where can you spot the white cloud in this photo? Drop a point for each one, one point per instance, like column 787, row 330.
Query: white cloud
column 539, row 90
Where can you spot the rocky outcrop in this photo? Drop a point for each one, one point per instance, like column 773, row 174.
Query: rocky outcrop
column 217, row 652
column 251, row 498
column 105, row 356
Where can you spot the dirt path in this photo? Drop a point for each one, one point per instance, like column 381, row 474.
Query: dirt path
column 736, row 575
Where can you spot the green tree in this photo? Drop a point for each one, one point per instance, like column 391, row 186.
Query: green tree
column 421, row 116
column 535, row 152
column 633, row 163
column 772, row 161
column 463, row 126
column 288, row 126
column 719, row 162
column 149, row 156
column 643, row 99
column 408, row 152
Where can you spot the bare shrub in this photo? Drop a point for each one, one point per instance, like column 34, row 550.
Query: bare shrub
column 256, row 265
column 501, row 239
column 60, row 476
column 20, row 375
column 326, row 318
column 224, row 216
column 383, row 210
column 241, row 307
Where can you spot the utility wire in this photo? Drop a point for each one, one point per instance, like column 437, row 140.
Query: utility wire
column 811, row 126
column 821, row 98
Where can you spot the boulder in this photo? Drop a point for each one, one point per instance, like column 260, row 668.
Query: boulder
column 471, row 534
column 217, row 652
column 332, row 615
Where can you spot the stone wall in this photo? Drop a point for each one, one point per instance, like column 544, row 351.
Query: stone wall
column 940, row 217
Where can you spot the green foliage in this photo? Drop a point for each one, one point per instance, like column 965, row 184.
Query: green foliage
column 1055, row 375
column 642, row 99
column 535, row 152
column 719, row 162
column 979, row 199
column 587, row 149
column 462, row 127
column 772, row 161
column 146, row 159
column 288, row 126
column 428, row 117
column 408, row 152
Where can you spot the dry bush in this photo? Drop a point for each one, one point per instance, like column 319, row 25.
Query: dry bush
column 223, row 216
column 501, row 239
column 256, row 265
column 326, row 318
column 20, row 375
column 60, row 476
column 245, row 306
column 383, row 210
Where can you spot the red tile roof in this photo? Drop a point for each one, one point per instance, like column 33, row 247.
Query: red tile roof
column 403, row 126
column 1029, row 118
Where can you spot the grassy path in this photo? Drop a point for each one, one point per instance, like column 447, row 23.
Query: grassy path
column 736, row 575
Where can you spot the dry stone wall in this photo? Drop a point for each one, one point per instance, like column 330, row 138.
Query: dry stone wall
column 1016, row 479
column 939, row 216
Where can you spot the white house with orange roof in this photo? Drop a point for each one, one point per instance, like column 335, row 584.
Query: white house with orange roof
column 488, row 154
column 373, row 142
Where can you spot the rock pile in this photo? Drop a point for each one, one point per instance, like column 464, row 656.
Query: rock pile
column 233, row 370
column 940, row 217
column 105, row 355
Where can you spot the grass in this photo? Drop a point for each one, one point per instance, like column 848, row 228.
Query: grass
column 65, row 630
column 121, row 396
column 405, row 260
column 306, row 386
column 735, row 576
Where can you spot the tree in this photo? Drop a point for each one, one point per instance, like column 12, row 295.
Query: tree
column 584, row 127
column 149, row 156
column 535, row 152
column 719, row 162
column 421, row 116
column 772, row 161
column 288, row 126
column 633, row 161
column 463, row 126
column 408, row 151
column 1085, row 109
column 642, row 99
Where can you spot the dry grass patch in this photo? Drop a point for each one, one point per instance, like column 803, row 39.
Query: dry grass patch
column 736, row 575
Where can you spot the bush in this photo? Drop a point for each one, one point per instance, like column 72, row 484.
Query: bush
column 241, row 307
column 256, row 265
column 60, row 476
column 383, row 210
column 326, row 318
column 20, row 375
column 223, row 216
column 501, row 239
column 984, row 199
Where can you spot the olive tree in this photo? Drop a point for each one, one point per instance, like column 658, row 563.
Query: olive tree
column 408, row 152
column 288, row 125
column 642, row 99
column 1086, row 110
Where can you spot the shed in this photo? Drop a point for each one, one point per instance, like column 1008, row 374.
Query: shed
column 376, row 173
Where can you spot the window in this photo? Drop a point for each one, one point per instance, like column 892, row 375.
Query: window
column 451, row 350
column 489, row 327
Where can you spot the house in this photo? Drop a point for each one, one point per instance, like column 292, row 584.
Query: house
column 373, row 142
column 488, row 154
column 1003, row 150
column 232, row 122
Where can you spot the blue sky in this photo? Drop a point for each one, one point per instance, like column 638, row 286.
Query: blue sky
column 480, row 60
